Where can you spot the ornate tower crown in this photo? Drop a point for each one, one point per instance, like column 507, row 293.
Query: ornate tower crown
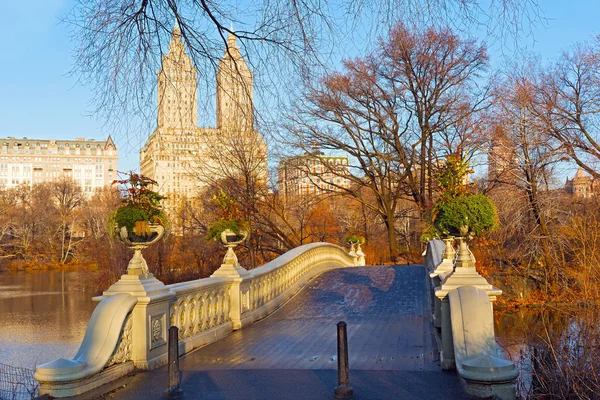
column 234, row 90
column 177, row 87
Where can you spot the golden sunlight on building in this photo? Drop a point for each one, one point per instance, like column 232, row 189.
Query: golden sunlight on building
column 89, row 163
column 183, row 158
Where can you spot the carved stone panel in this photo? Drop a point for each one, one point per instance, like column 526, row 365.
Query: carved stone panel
column 157, row 330
column 122, row 351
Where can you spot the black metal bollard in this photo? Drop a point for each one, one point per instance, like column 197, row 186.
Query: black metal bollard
column 174, row 391
column 343, row 390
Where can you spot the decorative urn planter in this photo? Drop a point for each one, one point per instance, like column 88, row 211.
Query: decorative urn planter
column 137, row 265
column 230, row 265
column 231, row 239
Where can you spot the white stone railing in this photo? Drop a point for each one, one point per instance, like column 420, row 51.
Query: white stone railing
column 204, row 310
column 201, row 311
column 269, row 286
column 475, row 351
column 463, row 316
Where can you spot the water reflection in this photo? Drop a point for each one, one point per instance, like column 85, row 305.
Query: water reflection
column 558, row 351
column 43, row 315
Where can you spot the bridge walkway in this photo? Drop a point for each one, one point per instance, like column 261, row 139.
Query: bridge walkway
column 291, row 353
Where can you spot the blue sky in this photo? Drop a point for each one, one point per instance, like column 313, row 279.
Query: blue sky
column 38, row 98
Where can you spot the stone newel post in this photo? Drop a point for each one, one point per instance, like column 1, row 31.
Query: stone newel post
column 151, row 313
column 464, row 274
column 231, row 268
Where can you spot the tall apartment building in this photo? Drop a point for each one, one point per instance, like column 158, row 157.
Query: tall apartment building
column 312, row 175
column 502, row 159
column 89, row 163
column 183, row 158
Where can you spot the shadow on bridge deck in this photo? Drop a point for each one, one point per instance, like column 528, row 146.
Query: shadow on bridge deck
column 291, row 353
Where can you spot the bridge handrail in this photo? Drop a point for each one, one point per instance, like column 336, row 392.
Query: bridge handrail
column 463, row 315
column 268, row 286
column 204, row 310
column 106, row 342
column 201, row 311
column 475, row 349
column 207, row 309
column 293, row 255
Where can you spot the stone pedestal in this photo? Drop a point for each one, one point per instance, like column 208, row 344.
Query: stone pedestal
column 464, row 274
column 150, row 318
column 352, row 252
column 360, row 255
column 233, row 270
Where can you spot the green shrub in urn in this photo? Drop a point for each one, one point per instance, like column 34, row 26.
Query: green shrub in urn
column 139, row 210
column 238, row 228
column 355, row 239
column 476, row 212
column 457, row 211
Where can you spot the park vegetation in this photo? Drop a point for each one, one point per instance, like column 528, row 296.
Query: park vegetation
column 423, row 94
column 421, row 98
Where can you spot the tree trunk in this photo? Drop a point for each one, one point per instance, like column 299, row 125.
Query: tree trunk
column 392, row 242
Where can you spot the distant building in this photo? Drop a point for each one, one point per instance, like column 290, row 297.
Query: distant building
column 312, row 175
column 582, row 185
column 89, row 163
column 183, row 158
column 502, row 159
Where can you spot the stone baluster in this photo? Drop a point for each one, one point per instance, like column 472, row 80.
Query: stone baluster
column 360, row 255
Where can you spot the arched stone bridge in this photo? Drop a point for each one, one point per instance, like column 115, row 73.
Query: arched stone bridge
column 270, row 333
column 291, row 354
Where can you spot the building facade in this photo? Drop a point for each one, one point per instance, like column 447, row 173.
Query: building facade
column 89, row 163
column 312, row 175
column 183, row 158
column 502, row 159
column 582, row 185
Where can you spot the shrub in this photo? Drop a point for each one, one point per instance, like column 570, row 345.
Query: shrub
column 216, row 228
column 477, row 212
column 355, row 239
column 141, row 207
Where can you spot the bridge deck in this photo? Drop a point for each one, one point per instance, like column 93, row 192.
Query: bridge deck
column 291, row 353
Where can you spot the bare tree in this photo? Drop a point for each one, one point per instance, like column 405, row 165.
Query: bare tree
column 391, row 111
column 532, row 155
column 68, row 197
column 120, row 42
column 569, row 104
column 235, row 161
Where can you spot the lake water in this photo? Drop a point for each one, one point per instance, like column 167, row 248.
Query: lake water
column 43, row 316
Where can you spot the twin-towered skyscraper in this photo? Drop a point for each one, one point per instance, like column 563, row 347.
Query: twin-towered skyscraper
column 184, row 158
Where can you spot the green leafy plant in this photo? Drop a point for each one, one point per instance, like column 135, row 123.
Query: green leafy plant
column 429, row 233
column 475, row 211
column 456, row 207
column 217, row 228
column 355, row 239
column 452, row 179
column 141, row 206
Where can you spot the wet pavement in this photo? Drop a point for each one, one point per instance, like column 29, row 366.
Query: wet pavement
column 291, row 354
